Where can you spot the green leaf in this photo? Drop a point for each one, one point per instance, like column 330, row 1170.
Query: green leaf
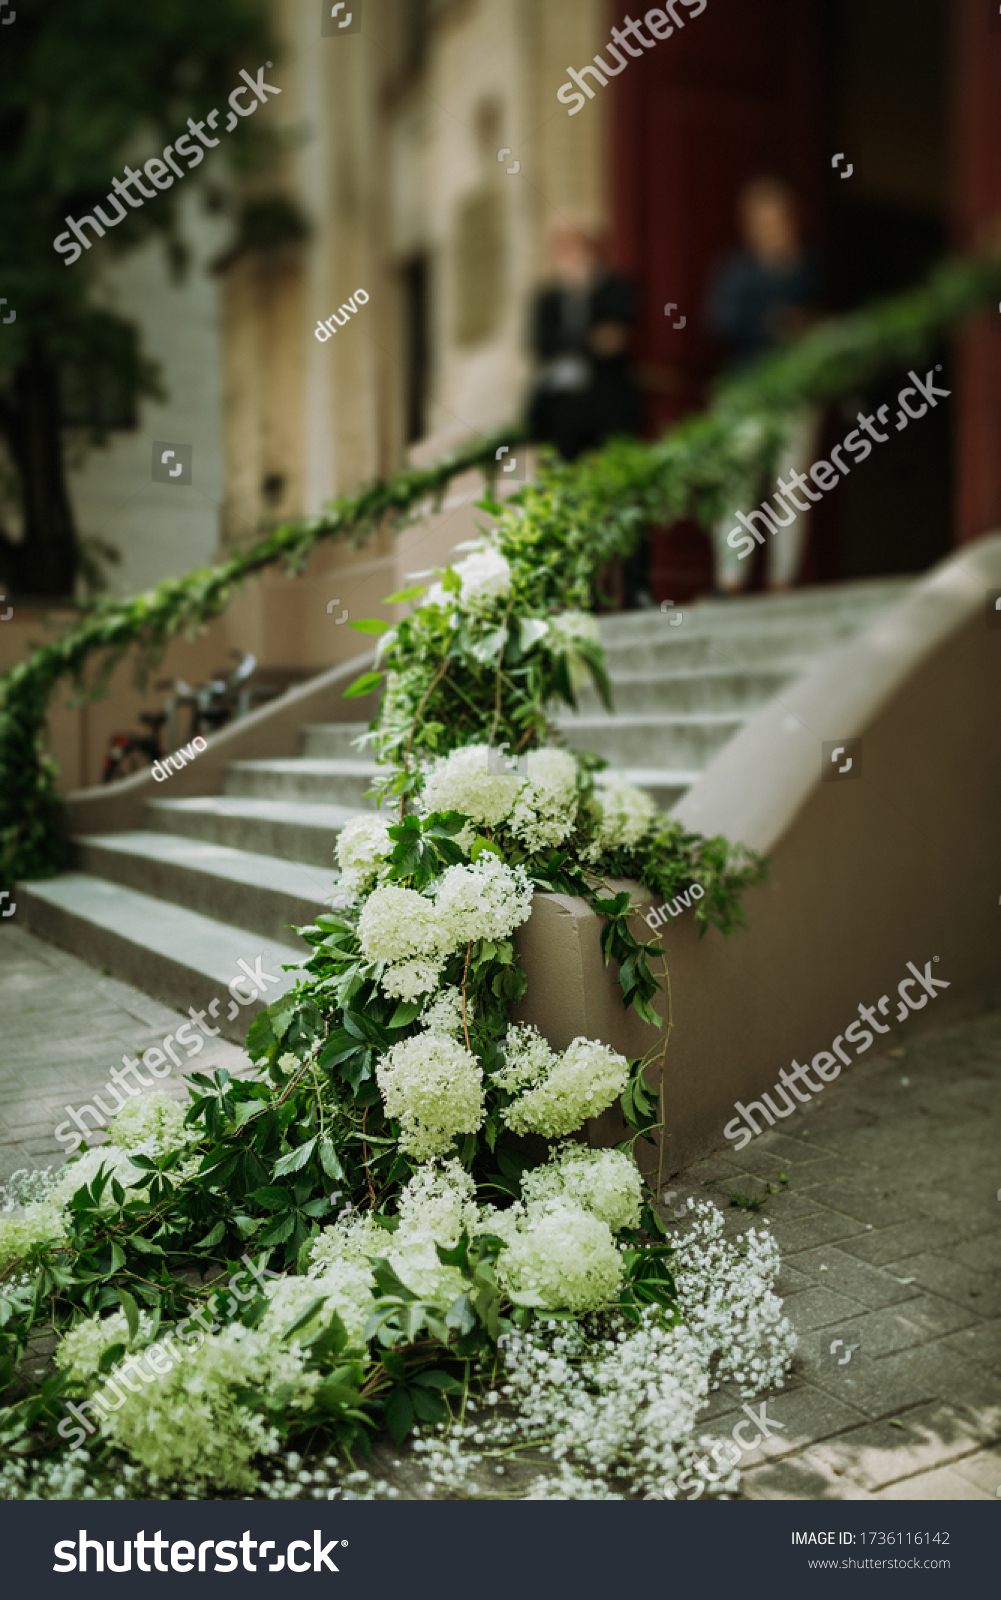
column 363, row 685
column 296, row 1159
column 329, row 1160
column 399, row 1415
column 370, row 625
column 212, row 1237
column 403, row 596
column 131, row 1310
column 405, row 1013
column 306, row 1315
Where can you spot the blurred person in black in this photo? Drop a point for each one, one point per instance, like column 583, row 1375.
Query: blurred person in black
column 585, row 391
column 760, row 298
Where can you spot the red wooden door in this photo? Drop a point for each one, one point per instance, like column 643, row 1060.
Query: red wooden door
column 739, row 91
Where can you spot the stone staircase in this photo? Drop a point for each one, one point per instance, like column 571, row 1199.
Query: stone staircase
column 212, row 881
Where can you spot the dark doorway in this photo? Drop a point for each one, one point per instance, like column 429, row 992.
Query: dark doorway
column 781, row 86
column 416, row 347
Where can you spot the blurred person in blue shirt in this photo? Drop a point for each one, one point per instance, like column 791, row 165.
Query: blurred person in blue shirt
column 759, row 299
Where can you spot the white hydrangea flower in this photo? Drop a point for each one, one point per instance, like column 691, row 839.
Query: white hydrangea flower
column 485, row 576
column 411, row 980
column 434, row 1088
column 622, row 815
column 400, row 927
column 461, row 782
column 354, row 1238
column 439, row 1200
column 562, row 1258
column 348, row 1288
column 81, row 1350
column 398, row 924
column 568, row 628
column 569, row 1088
column 485, row 900
column 188, row 1428
column 528, row 1059
column 151, row 1125
column 362, row 848
column 608, row 1183
column 41, row 1222
column 546, row 807
column 444, row 1014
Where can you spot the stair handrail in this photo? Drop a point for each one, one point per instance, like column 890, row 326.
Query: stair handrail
column 598, row 505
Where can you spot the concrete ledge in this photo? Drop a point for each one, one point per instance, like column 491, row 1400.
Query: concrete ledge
column 271, row 732
column 902, row 864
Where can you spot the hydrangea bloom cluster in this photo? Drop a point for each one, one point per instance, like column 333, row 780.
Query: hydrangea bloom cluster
column 434, row 1088
column 461, row 782
column 414, row 934
column 622, row 815
column 444, row 1014
column 559, row 1092
column 607, row 1183
column 362, row 850
column 190, row 1431
column 558, row 1256
column 151, row 1125
column 347, row 1286
column 546, row 808
column 539, row 808
column 485, row 577
column 81, row 1350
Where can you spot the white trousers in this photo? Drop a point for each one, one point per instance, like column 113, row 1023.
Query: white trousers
column 785, row 548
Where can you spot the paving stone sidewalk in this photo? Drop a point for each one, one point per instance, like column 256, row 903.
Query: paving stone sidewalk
column 62, row 1028
column 882, row 1194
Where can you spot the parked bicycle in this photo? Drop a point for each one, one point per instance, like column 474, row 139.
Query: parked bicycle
column 211, row 705
column 130, row 752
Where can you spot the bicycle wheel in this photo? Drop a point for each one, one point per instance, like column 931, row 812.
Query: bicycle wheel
column 133, row 759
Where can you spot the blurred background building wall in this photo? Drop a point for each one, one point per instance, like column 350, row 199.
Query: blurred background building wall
column 393, row 178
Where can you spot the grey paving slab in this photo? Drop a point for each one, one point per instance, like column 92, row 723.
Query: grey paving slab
column 833, row 1269
column 65, row 1069
column 880, row 1454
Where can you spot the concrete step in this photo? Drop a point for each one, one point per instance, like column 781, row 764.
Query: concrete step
column 284, row 828
column 692, row 689
column 686, row 743
column 855, row 602
column 735, row 649
column 333, row 741
column 665, row 787
column 265, row 895
column 170, row 953
column 343, row 783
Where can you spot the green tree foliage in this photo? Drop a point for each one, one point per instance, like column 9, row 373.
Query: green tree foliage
column 87, row 86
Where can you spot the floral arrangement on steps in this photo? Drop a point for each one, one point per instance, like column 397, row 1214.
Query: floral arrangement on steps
column 432, row 1240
